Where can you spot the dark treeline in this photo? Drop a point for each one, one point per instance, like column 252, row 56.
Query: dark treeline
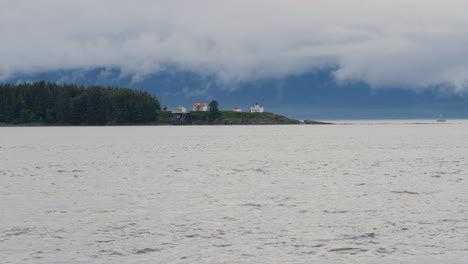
column 50, row 103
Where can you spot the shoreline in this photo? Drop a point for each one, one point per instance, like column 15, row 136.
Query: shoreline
column 160, row 124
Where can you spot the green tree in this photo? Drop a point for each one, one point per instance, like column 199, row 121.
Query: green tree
column 213, row 112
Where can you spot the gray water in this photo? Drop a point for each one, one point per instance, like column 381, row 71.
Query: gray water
column 360, row 193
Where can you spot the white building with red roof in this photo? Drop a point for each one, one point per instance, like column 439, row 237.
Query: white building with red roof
column 200, row 106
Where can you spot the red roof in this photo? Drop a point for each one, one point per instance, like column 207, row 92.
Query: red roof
column 199, row 104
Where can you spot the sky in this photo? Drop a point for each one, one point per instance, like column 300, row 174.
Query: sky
column 411, row 44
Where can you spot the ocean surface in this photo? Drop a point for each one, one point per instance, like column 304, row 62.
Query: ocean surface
column 359, row 192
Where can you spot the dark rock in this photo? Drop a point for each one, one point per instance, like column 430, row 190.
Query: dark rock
column 313, row 122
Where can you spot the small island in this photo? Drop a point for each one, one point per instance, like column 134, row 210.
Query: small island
column 227, row 118
column 42, row 103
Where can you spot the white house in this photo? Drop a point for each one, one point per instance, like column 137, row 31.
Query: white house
column 200, row 106
column 256, row 109
column 180, row 109
column 237, row 109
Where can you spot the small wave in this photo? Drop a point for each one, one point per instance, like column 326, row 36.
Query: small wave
column 405, row 192
column 252, row 205
column 384, row 251
column 145, row 251
column 318, row 245
column 364, row 236
column 111, row 253
column 348, row 250
column 229, row 218
column 367, row 235
column 223, row 245
column 335, row 212
column 18, row 231
column 104, row 241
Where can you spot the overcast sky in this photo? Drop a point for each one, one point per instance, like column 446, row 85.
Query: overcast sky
column 409, row 43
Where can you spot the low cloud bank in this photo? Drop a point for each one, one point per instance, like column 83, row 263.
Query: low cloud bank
column 414, row 44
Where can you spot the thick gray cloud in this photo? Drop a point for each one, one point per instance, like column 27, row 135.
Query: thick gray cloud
column 410, row 43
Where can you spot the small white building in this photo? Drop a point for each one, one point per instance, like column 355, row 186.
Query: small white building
column 180, row 109
column 200, row 106
column 256, row 109
column 237, row 109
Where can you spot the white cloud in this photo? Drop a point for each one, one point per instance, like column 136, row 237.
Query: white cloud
column 410, row 43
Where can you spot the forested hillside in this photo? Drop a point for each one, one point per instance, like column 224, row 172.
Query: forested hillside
column 50, row 103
